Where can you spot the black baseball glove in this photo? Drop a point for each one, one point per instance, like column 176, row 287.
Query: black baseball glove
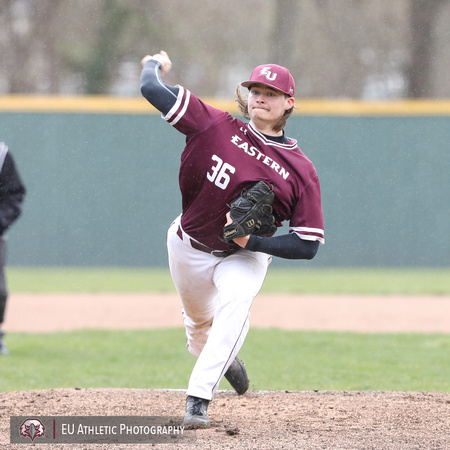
column 251, row 213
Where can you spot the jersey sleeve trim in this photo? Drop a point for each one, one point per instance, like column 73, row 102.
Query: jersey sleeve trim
column 309, row 234
column 175, row 114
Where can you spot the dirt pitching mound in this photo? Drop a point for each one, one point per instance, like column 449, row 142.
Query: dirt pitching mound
column 260, row 419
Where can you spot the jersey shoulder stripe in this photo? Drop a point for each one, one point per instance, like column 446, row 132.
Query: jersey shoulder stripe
column 179, row 108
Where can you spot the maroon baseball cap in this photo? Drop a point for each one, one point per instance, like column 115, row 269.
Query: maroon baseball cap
column 277, row 77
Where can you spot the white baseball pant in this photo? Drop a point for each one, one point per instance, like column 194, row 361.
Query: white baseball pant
column 216, row 294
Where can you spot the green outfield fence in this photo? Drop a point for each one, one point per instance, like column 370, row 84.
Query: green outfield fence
column 102, row 180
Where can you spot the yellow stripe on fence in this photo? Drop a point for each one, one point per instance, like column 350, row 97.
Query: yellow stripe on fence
column 138, row 105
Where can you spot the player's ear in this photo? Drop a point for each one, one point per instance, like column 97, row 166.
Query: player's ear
column 290, row 102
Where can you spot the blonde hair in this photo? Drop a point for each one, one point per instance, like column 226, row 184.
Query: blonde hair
column 242, row 101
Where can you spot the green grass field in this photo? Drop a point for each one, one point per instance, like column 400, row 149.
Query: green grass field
column 294, row 281
column 275, row 359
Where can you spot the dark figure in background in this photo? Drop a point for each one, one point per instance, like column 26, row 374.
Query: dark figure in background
column 12, row 192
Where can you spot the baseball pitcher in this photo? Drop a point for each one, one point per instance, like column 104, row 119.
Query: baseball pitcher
column 239, row 181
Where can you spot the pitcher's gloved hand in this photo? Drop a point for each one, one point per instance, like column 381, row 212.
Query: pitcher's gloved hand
column 251, row 213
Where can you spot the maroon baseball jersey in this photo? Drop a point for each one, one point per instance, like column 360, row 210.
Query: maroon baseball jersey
column 224, row 155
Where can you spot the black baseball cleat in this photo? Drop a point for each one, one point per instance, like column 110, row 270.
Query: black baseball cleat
column 195, row 415
column 237, row 376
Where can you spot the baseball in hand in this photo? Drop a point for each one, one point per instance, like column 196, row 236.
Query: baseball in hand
column 162, row 57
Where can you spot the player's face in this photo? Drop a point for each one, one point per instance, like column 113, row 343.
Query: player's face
column 266, row 106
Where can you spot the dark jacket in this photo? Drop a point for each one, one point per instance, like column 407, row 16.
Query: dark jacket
column 12, row 190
